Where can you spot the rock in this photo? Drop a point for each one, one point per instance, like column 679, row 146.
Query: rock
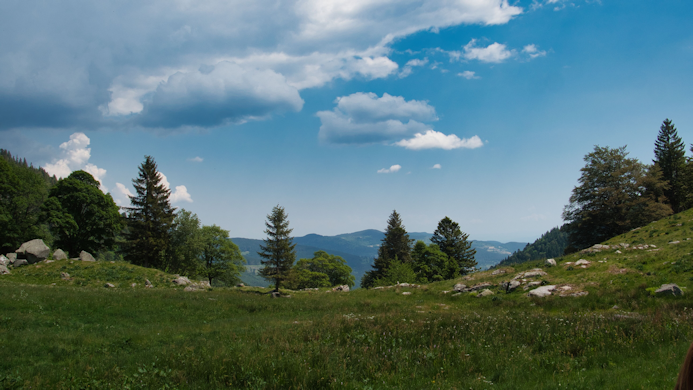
column 406, row 293
column 133, row 285
column 34, row 251
column 669, row 289
column 615, row 307
column 204, row 284
column 48, row 261
column 12, row 257
column 59, row 255
column 181, row 281
column 109, row 285
column 4, row 260
column 402, row 285
column 148, row 284
column 543, row 291
column 510, row 286
column 480, row 286
column 276, row 294
column 498, row 272
column 20, row 262
column 239, row 285
column 582, row 262
column 531, row 285
column 550, row 262
column 674, row 242
column 530, row 274
column 4, row 270
column 459, row 287
column 618, row 252
column 65, row 276
column 86, row 256
column 343, row 288
column 484, row 293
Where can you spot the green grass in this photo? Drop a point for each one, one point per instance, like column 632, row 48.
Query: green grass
column 78, row 334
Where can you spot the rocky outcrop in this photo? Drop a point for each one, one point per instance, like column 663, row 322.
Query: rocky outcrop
column 198, row 286
column 484, row 293
column 33, row 251
column 510, row 286
column 148, row 284
column 12, row 257
column 533, row 273
column 181, row 281
column 65, row 276
column 669, row 289
column 20, row 262
column 4, row 261
column 59, row 255
column 543, row 291
column 86, row 256
column 4, row 270
column 459, row 287
column 343, row 288
column 550, row 262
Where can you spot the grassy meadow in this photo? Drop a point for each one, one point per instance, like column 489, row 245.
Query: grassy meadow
column 77, row 334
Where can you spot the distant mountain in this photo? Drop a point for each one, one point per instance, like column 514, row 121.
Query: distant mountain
column 360, row 248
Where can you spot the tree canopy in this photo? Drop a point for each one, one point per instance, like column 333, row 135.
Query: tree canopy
column 455, row 244
column 670, row 157
column 323, row 270
column 550, row 244
column 220, row 258
column 396, row 245
column 279, row 250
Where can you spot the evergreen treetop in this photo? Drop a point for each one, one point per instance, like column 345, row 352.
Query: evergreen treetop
column 278, row 249
column 670, row 158
column 455, row 244
column 396, row 245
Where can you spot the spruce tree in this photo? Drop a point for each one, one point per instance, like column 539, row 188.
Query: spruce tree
column 150, row 218
column 396, row 245
column 455, row 244
column 279, row 250
column 670, row 158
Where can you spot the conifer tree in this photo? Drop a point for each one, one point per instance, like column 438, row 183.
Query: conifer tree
column 396, row 245
column 670, row 158
column 150, row 218
column 454, row 243
column 279, row 250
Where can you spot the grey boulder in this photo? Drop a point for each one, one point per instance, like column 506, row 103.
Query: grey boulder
column 34, row 251
column 4, row 270
column 12, row 257
column 4, row 260
column 510, row 286
column 59, row 255
column 86, row 256
column 20, row 262
column 550, row 262
column 669, row 289
column 459, row 287
column 543, row 291
column 343, row 288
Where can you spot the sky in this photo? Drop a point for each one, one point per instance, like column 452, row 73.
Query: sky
column 341, row 111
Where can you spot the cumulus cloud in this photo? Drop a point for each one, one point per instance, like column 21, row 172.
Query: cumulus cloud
column 435, row 140
column 469, row 75
column 406, row 71
column 57, row 73
column 180, row 194
column 533, row 52
column 436, row 166
column 495, row 52
column 75, row 155
column 122, row 195
column 392, row 169
column 196, row 159
column 363, row 118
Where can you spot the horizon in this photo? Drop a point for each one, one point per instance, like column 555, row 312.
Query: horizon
column 341, row 112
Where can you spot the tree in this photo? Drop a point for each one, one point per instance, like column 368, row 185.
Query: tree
column 279, row 250
column 431, row 264
column 220, row 257
column 615, row 194
column 395, row 245
column 550, row 244
column 186, row 244
column 80, row 216
column 308, row 273
column 670, row 158
column 454, row 243
column 397, row 272
column 150, row 218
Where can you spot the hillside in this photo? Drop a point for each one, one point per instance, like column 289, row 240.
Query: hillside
column 550, row 244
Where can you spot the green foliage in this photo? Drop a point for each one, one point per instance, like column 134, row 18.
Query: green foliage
column 670, row 157
column 455, row 244
column 279, row 251
column 615, row 194
column 551, row 244
column 220, row 257
column 300, row 278
column 186, row 244
column 80, row 216
column 307, row 273
column 150, row 218
column 397, row 272
column 430, row 264
column 395, row 245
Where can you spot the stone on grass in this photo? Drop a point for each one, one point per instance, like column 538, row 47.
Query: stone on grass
column 4, row 260
column 510, row 286
column 65, row 276
column 480, row 286
column 459, row 287
column 34, row 251
column 4, row 270
column 109, row 285
column 406, row 293
column 618, row 252
column 12, row 257
column 498, row 272
column 669, row 289
column 148, row 284
column 550, row 262
column 343, row 288
column 582, row 262
column 20, row 262
column 59, row 255
column 181, row 281
column 543, row 291
column 86, row 256
column 239, row 285
column 530, row 274
column 484, row 293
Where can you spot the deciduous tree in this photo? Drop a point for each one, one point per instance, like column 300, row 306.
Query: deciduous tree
column 220, row 258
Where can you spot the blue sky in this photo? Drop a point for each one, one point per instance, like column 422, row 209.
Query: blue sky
column 341, row 111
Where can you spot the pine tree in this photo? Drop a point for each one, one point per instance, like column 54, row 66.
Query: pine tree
column 150, row 218
column 670, row 157
column 279, row 249
column 454, row 243
column 396, row 245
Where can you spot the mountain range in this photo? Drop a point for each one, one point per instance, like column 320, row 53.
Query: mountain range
column 359, row 249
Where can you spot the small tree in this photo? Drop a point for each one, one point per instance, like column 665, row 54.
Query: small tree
column 279, row 250
column 150, row 218
column 670, row 157
column 395, row 244
column 308, row 273
column 80, row 216
column 186, row 244
column 220, row 258
column 455, row 243
column 432, row 265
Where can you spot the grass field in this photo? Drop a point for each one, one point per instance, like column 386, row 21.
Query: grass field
column 77, row 334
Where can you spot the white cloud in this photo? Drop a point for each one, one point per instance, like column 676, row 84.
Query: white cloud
column 533, row 52
column 363, row 118
column 196, row 159
column 180, row 194
column 436, row 166
column 495, row 52
column 122, row 195
column 406, row 71
column 392, row 169
column 436, row 140
column 469, row 75
column 75, row 155
column 67, row 73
